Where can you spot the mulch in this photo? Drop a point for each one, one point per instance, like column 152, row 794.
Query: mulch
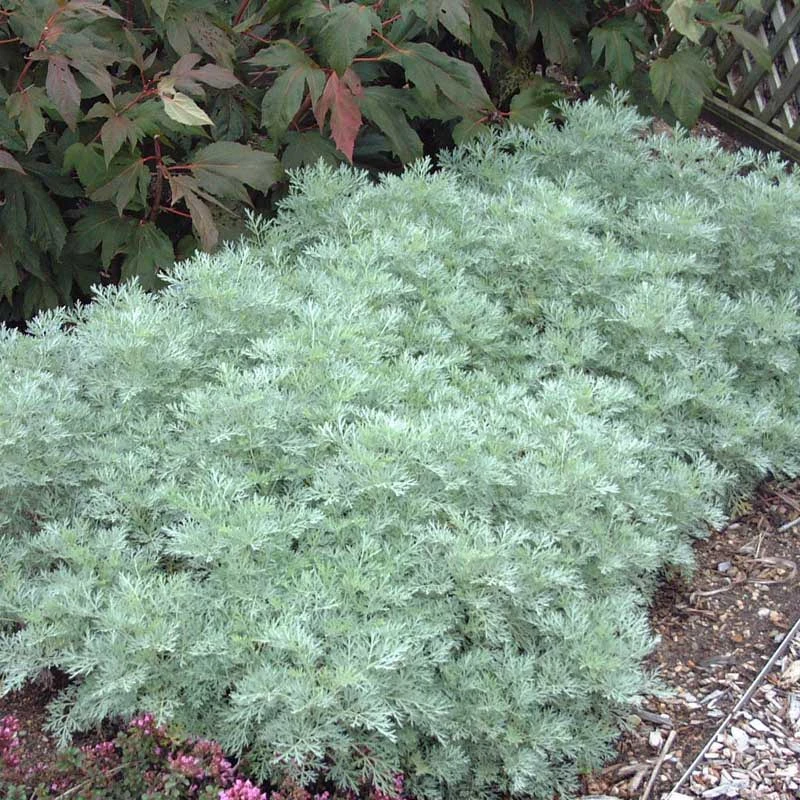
column 717, row 630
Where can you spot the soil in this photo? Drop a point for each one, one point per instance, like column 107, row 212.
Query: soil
column 717, row 631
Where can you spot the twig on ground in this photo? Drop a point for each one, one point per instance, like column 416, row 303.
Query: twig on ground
column 794, row 523
column 657, row 767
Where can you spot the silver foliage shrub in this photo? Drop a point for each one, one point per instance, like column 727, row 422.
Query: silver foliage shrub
column 388, row 486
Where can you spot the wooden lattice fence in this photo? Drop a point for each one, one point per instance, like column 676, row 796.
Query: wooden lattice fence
column 764, row 103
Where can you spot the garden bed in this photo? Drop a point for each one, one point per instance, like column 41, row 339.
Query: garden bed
column 390, row 488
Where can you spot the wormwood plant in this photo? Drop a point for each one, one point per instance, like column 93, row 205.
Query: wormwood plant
column 387, row 487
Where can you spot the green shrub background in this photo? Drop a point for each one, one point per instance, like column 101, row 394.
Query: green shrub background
column 388, row 486
column 135, row 131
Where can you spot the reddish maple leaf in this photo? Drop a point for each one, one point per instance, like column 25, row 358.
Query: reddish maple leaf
column 340, row 98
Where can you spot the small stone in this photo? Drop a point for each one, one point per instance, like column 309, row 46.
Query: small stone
column 724, row 566
column 794, row 708
column 763, row 613
column 740, row 738
column 634, row 720
column 723, row 790
column 791, row 674
column 655, row 739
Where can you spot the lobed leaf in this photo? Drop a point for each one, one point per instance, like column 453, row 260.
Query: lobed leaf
column 149, row 253
column 237, row 162
column 62, row 89
column 385, row 106
column 344, row 33
column 682, row 80
column 341, row 99
column 432, row 71
column 26, row 107
column 121, row 189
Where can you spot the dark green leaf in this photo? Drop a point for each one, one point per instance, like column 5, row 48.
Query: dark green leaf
column 682, row 80
column 308, row 148
column 87, row 161
column 616, row 41
column 9, row 274
column 554, row 20
column 97, row 74
column 283, row 99
column 483, row 33
column 231, row 120
column 113, row 134
column 383, row 105
column 430, row 71
column 160, row 7
column 529, row 105
column 39, row 295
column 92, row 8
column 149, row 253
column 26, row 108
column 7, row 161
column 9, row 138
column 209, row 38
column 453, row 15
column 121, row 189
column 344, row 34
column 30, row 215
column 100, row 226
column 53, row 178
column 237, row 162
column 178, row 36
column 281, row 53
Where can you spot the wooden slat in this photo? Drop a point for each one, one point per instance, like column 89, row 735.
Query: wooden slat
column 788, row 85
column 765, row 135
column 751, row 24
column 757, row 73
column 794, row 132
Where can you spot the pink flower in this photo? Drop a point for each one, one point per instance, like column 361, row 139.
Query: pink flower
column 9, row 741
column 242, row 790
column 186, row 765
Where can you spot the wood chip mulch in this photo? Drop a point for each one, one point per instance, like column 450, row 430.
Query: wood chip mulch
column 718, row 631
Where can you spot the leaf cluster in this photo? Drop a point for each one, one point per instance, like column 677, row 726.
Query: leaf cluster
column 133, row 131
column 387, row 488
